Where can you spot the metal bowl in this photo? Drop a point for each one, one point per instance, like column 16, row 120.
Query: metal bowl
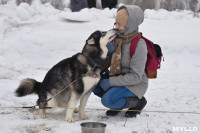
column 93, row 127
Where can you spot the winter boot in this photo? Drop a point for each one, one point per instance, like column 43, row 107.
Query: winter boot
column 140, row 105
column 130, row 102
column 112, row 112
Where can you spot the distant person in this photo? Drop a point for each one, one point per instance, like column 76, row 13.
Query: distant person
column 77, row 5
column 109, row 3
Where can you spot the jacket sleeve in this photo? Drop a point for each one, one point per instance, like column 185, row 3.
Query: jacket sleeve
column 137, row 68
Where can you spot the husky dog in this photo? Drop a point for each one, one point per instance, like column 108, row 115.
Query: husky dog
column 58, row 81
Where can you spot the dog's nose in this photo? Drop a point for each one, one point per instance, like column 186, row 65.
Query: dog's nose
column 114, row 29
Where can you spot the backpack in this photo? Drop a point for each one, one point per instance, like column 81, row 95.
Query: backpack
column 154, row 55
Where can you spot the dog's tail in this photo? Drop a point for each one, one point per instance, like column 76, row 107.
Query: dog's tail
column 28, row 86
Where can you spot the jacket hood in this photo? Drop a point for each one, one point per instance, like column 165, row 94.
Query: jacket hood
column 136, row 17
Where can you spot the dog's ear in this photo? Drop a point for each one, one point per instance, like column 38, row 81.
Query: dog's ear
column 91, row 41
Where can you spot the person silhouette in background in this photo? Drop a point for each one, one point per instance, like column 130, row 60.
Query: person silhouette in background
column 92, row 3
column 77, row 5
column 109, row 4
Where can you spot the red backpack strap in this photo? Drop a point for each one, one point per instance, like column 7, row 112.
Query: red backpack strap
column 134, row 44
column 149, row 45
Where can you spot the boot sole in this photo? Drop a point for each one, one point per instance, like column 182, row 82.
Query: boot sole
column 112, row 113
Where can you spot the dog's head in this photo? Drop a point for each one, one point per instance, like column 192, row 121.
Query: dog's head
column 99, row 39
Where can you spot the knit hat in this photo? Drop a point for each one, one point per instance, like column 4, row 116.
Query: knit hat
column 122, row 17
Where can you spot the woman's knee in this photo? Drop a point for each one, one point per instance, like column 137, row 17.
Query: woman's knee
column 116, row 97
column 109, row 100
column 106, row 100
column 109, row 103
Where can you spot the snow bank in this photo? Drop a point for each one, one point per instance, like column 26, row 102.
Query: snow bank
column 89, row 14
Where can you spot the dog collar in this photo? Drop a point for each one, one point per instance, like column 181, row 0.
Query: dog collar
column 92, row 74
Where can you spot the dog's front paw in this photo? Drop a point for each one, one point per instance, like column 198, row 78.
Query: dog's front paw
column 83, row 116
column 70, row 120
column 76, row 110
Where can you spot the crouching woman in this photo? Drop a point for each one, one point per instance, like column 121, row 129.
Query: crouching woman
column 126, row 83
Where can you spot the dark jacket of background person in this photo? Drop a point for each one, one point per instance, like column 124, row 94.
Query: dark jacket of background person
column 109, row 3
column 91, row 3
column 77, row 5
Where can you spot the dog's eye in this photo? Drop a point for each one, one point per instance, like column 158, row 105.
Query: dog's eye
column 103, row 34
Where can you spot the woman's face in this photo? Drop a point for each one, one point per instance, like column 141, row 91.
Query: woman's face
column 119, row 27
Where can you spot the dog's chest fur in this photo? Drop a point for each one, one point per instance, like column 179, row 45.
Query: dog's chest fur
column 89, row 82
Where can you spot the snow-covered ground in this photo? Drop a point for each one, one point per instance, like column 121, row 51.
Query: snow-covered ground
column 34, row 38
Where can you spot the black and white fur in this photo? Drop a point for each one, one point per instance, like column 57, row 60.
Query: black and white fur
column 62, row 74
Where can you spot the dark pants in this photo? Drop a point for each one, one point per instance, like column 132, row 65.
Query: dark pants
column 109, row 3
column 91, row 3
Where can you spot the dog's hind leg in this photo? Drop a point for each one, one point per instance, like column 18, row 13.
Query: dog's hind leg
column 42, row 103
column 71, row 106
column 83, row 102
column 43, row 114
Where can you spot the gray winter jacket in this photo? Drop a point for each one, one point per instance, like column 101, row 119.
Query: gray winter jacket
column 133, row 74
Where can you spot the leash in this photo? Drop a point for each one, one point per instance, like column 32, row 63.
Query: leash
column 91, row 70
column 35, row 106
column 28, row 107
column 96, row 109
column 149, row 111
